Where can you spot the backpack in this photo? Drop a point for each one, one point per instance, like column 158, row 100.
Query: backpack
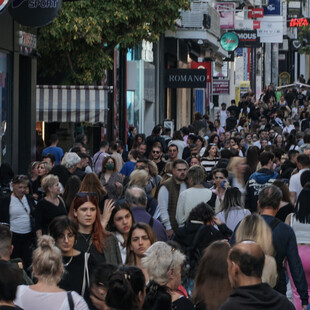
column 192, row 257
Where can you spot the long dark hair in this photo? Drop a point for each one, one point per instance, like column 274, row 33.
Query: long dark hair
column 131, row 257
column 117, row 207
column 231, row 199
column 212, row 285
column 302, row 210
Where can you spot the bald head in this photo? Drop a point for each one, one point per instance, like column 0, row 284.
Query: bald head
column 250, row 258
column 136, row 196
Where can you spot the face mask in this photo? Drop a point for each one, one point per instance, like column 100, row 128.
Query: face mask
column 109, row 166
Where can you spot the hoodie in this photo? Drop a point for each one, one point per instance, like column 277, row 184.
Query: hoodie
column 256, row 297
column 257, row 181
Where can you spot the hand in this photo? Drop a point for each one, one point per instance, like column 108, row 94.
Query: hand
column 304, row 307
column 217, row 221
column 170, row 233
column 107, row 211
column 118, row 185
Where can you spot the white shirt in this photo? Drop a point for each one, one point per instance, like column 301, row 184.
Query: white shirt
column 223, row 117
column 163, row 198
column 19, row 218
column 122, row 249
column 28, row 299
column 189, row 199
column 295, row 185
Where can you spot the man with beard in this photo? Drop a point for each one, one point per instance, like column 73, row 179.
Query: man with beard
column 169, row 193
column 156, row 157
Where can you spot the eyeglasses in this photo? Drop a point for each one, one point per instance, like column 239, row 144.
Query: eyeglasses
column 84, row 194
column 155, row 152
column 19, row 178
column 172, row 150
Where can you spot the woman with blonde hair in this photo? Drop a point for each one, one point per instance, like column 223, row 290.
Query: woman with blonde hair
column 51, row 206
column 45, row 294
column 236, row 168
column 138, row 178
column 253, row 227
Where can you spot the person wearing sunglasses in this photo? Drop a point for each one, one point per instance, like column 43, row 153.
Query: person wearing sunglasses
column 156, row 156
column 92, row 237
column 17, row 210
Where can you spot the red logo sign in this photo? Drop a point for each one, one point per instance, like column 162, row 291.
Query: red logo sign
column 256, row 13
column 298, row 22
column 203, row 65
column 256, row 24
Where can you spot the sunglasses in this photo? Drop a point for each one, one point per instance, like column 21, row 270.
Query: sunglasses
column 19, row 178
column 84, row 194
column 155, row 152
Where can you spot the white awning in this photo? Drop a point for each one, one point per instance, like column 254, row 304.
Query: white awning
column 62, row 103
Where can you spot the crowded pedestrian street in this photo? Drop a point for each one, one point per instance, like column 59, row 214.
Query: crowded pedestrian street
column 154, row 155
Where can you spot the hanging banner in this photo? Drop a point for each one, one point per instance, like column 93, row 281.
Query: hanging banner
column 203, row 65
column 227, row 14
column 248, row 38
column 34, row 13
column 186, row 78
column 271, row 29
column 273, row 8
column 220, row 87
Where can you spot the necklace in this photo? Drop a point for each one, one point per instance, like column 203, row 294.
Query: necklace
column 70, row 260
column 88, row 240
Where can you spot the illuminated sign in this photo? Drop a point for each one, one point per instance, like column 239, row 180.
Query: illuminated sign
column 298, row 22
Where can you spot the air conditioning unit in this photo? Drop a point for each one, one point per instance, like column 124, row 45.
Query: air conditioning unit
column 265, row 2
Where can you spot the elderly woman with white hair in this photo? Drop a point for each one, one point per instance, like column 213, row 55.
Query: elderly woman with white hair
column 68, row 166
column 51, row 206
column 163, row 264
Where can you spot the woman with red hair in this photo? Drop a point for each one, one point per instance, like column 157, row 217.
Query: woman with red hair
column 91, row 237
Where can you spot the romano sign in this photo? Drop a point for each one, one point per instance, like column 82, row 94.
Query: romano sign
column 186, row 78
column 248, row 38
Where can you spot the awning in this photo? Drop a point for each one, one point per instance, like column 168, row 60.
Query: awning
column 62, row 103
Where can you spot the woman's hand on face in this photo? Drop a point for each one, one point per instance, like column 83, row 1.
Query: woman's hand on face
column 107, row 211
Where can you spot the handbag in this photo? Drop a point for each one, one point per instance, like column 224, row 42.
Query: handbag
column 85, row 274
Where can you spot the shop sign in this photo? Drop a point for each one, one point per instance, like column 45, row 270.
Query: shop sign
column 186, row 78
column 271, row 29
column 220, row 87
column 273, row 8
column 256, row 13
column 298, row 22
column 229, row 41
column 34, row 13
column 248, row 38
column 227, row 14
column 3, row 4
column 247, row 24
column 203, row 65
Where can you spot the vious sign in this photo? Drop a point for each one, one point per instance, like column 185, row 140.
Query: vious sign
column 248, row 38
column 186, row 78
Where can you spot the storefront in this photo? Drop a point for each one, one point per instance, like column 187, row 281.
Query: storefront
column 70, row 110
column 17, row 94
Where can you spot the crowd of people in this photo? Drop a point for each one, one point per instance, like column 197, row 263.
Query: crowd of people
column 212, row 216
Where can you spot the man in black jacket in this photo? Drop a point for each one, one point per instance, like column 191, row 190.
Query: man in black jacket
column 245, row 267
